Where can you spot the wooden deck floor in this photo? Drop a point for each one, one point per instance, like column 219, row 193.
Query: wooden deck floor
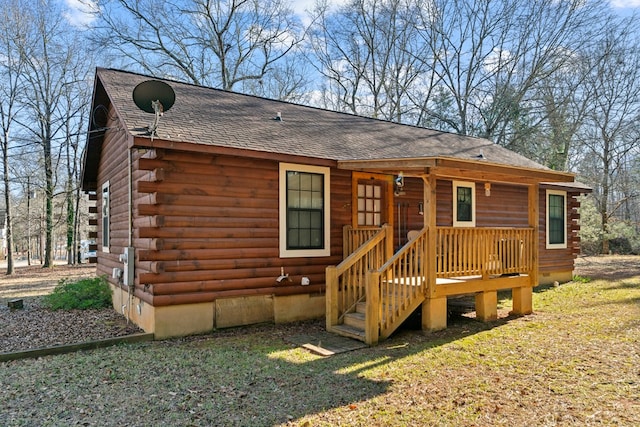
column 452, row 286
column 417, row 281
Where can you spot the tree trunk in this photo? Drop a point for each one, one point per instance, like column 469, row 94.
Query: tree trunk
column 70, row 225
column 604, row 203
column 7, row 201
column 48, row 241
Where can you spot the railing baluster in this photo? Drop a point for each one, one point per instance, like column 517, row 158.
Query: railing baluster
column 483, row 251
column 459, row 252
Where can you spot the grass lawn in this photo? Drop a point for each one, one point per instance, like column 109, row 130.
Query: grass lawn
column 576, row 361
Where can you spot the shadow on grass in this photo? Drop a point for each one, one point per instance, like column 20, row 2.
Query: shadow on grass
column 18, row 290
column 540, row 289
column 626, row 285
column 612, row 268
column 268, row 383
column 251, row 376
column 628, row 288
column 592, row 300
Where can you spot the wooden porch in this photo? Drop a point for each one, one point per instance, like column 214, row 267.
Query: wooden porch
column 374, row 290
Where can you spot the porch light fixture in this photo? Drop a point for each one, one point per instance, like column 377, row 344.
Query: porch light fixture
column 399, row 185
column 420, row 208
column 487, row 189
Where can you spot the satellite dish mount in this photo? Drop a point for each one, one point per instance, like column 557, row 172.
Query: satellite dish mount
column 156, row 97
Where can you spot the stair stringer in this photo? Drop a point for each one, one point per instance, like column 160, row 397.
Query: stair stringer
column 401, row 317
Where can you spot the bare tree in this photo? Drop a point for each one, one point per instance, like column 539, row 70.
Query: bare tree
column 610, row 135
column 370, row 55
column 289, row 80
column 76, row 107
column 209, row 42
column 52, row 62
column 563, row 107
column 12, row 28
column 489, row 56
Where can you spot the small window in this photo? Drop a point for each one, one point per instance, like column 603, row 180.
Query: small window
column 370, row 202
column 556, row 219
column 304, row 211
column 464, row 204
column 105, row 217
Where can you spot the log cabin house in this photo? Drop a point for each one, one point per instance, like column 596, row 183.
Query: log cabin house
column 239, row 210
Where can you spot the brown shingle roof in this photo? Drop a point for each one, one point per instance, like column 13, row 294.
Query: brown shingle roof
column 204, row 115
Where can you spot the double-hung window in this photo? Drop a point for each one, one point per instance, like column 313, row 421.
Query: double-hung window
column 304, row 211
column 105, row 217
column 556, row 219
column 464, row 204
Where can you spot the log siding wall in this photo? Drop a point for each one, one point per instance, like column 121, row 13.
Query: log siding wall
column 209, row 228
column 205, row 226
column 113, row 168
column 503, row 208
column 560, row 259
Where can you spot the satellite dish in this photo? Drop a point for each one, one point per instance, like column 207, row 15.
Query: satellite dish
column 148, row 93
column 154, row 96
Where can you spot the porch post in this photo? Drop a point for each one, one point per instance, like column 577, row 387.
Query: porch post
column 523, row 297
column 434, row 309
column 331, row 309
column 434, row 314
column 522, row 300
column 430, row 212
column 372, row 318
column 487, row 305
column 389, row 240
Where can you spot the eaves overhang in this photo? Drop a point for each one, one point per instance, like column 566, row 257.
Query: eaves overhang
column 446, row 167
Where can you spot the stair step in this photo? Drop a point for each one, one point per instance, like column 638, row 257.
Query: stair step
column 361, row 307
column 355, row 320
column 349, row 331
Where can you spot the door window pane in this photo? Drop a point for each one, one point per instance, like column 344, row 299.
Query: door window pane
column 370, row 204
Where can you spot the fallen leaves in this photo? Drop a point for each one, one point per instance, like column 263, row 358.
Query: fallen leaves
column 569, row 364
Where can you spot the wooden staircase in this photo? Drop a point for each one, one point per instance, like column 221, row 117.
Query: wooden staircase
column 354, row 323
column 373, row 291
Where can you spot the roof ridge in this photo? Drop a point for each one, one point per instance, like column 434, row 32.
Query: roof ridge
column 313, row 107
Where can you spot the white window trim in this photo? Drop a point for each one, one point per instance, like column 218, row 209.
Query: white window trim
column 106, row 187
column 293, row 253
column 465, row 184
column 556, row 245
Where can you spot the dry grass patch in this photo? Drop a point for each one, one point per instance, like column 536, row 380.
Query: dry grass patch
column 575, row 361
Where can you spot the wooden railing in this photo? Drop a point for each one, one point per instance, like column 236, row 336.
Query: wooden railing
column 353, row 238
column 346, row 281
column 396, row 289
column 483, row 251
column 393, row 286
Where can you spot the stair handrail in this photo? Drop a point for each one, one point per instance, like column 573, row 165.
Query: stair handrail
column 410, row 245
column 336, row 306
column 398, row 286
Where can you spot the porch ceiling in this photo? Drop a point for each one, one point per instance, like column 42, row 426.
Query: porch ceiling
column 479, row 170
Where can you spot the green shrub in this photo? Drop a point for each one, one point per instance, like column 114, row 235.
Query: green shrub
column 83, row 294
column 581, row 279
